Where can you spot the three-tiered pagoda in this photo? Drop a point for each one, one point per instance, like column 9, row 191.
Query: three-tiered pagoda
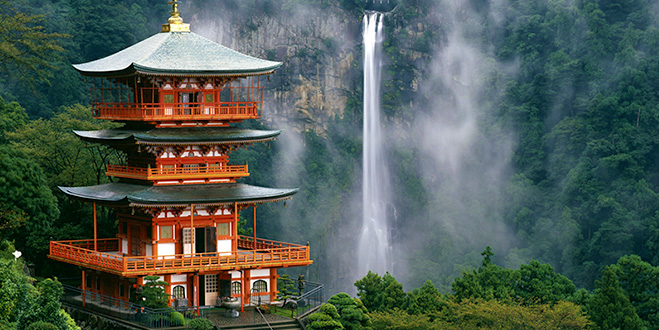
column 177, row 199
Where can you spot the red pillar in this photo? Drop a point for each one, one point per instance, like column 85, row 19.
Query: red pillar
column 196, row 291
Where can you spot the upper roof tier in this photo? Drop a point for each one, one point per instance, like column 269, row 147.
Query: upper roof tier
column 177, row 54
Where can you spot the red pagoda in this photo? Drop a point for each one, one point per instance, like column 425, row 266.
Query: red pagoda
column 177, row 199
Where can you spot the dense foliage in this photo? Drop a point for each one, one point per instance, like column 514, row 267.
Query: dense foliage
column 24, row 305
column 492, row 297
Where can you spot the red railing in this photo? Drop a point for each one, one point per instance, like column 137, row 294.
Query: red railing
column 247, row 243
column 177, row 111
column 225, row 171
column 277, row 254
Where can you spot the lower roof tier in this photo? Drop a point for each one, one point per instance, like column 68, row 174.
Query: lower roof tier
column 178, row 136
column 125, row 194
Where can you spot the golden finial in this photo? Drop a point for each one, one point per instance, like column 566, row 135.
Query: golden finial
column 175, row 22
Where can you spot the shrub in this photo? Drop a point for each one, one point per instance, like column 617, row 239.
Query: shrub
column 41, row 325
column 177, row 319
column 200, row 324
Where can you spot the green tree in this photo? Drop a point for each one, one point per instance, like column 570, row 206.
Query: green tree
column 354, row 315
column 640, row 282
column 540, row 283
column 495, row 314
column 21, row 303
column 25, row 193
column 327, row 318
column 26, row 49
column 380, row 293
column 609, row 307
column 153, row 293
column 425, row 300
column 12, row 117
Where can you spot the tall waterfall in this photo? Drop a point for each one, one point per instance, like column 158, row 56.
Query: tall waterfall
column 374, row 248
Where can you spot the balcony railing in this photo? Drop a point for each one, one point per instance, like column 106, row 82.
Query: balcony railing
column 177, row 111
column 196, row 172
column 267, row 254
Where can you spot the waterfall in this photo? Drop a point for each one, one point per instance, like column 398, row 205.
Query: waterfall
column 373, row 248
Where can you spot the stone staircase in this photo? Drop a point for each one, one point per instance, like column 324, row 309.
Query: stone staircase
column 276, row 325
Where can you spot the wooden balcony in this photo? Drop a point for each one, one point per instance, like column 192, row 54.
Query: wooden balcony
column 179, row 173
column 156, row 112
column 108, row 258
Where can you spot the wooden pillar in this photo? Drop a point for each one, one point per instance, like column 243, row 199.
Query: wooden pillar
column 191, row 228
column 95, row 232
column 242, row 291
column 254, row 226
column 196, row 291
column 84, row 288
column 154, row 240
column 273, row 284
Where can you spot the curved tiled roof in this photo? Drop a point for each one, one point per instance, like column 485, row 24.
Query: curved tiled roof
column 180, row 136
column 177, row 53
column 178, row 195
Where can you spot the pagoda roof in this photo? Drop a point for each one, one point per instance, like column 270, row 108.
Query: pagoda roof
column 178, row 195
column 179, row 136
column 177, row 54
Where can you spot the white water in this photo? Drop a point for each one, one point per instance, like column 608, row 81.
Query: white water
column 374, row 248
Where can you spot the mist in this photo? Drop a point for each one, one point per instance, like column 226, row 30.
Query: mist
column 450, row 144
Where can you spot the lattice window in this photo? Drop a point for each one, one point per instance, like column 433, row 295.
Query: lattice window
column 223, row 229
column 260, row 286
column 178, row 292
column 187, row 236
column 166, row 232
column 211, row 283
column 235, row 288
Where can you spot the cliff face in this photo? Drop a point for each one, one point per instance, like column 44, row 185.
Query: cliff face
column 320, row 51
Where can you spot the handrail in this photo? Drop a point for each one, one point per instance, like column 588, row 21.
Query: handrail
column 160, row 173
column 174, row 111
column 277, row 252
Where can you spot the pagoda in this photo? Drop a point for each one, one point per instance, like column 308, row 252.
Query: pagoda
column 177, row 199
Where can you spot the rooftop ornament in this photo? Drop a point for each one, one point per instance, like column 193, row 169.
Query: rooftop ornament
column 175, row 22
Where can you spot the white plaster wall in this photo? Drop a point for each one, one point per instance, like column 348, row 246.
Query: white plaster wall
column 179, row 278
column 149, row 249
column 223, row 245
column 124, row 245
column 260, row 272
column 167, row 249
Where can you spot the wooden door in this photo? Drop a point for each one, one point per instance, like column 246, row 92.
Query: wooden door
column 135, row 241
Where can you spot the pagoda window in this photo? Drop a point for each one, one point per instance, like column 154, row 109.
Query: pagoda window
column 178, row 292
column 235, row 288
column 211, row 283
column 260, row 286
column 223, row 230
column 187, row 241
column 166, row 232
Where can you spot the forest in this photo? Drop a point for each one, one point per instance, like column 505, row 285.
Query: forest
column 524, row 129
